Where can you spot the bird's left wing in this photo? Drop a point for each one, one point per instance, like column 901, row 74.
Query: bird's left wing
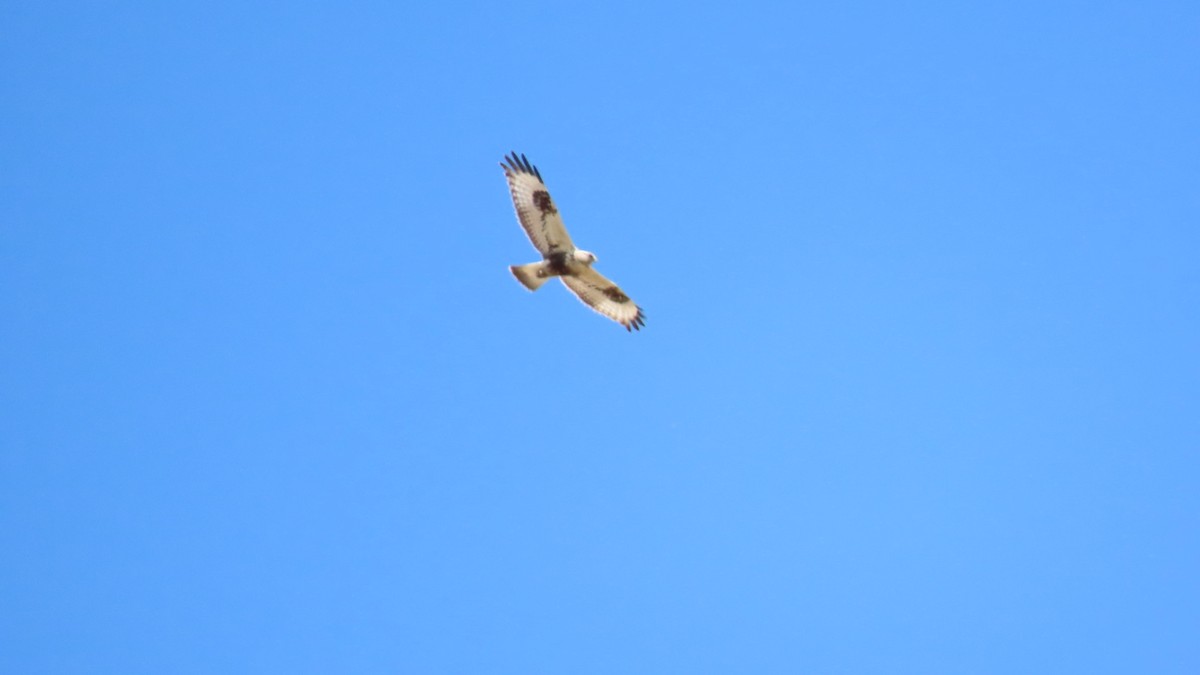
column 605, row 297
column 536, row 211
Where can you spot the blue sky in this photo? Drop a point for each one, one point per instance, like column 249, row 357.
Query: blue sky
column 917, row 392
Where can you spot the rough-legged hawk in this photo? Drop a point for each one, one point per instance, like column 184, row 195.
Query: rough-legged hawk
column 560, row 258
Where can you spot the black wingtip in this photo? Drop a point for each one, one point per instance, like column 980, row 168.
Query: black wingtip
column 637, row 321
column 519, row 163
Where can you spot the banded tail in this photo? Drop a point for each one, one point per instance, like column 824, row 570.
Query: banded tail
column 531, row 276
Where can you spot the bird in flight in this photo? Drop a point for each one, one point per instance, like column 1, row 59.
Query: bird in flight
column 543, row 223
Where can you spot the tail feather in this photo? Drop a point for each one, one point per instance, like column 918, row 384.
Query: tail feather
column 531, row 276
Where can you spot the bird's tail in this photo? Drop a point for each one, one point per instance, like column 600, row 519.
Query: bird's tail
column 531, row 276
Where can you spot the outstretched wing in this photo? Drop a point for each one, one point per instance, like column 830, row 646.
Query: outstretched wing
column 536, row 211
column 603, row 296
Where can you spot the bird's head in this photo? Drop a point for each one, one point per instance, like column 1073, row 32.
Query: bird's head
column 585, row 257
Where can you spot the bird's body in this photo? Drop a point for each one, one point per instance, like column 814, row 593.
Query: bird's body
column 560, row 258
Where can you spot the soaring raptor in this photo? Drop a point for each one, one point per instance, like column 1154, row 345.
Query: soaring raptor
column 560, row 258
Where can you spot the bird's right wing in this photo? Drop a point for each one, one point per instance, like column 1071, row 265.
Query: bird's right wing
column 536, row 211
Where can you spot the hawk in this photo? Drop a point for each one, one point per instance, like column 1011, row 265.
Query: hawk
column 542, row 222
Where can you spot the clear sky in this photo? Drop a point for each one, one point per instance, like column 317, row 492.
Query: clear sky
column 919, row 389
